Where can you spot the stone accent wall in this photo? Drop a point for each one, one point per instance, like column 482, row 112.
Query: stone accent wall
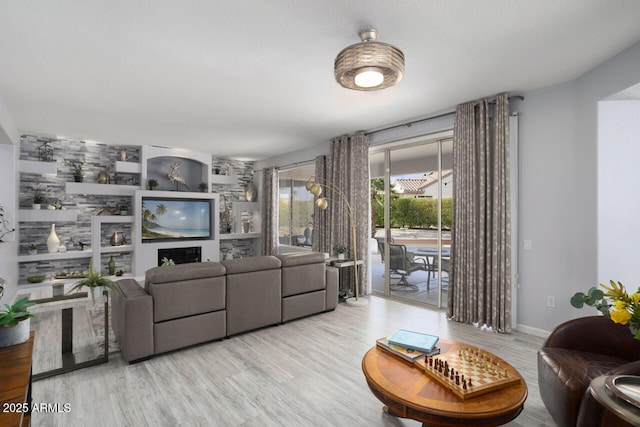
column 236, row 192
column 96, row 157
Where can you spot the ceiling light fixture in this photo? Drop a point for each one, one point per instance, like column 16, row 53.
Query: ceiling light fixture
column 370, row 64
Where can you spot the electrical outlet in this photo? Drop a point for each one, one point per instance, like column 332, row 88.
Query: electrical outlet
column 527, row 245
column 551, row 301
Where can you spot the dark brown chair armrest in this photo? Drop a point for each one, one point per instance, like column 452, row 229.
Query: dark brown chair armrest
column 595, row 334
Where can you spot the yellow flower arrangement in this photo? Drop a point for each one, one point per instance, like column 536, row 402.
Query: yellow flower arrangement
column 615, row 303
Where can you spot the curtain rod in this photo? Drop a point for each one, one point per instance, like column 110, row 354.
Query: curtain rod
column 407, row 124
column 411, row 123
column 290, row 165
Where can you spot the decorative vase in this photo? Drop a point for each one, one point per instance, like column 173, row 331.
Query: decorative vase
column 16, row 334
column 246, row 226
column 251, row 192
column 112, row 266
column 122, row 154
column 53, row 242
column 35, row 206
column 341, row 256
column 95, row 292
column 117, row 239
column 104, row 176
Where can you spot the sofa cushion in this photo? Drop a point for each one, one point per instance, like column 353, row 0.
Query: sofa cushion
column 188, row 331
column 254, row 300
column 563, row 377
column 300, row 279
column 246, row 265
column 301, row 258
column 303, row 305
column 183, row 272
column 187, row 297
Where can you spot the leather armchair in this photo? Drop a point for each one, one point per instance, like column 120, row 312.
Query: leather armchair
column 575, row 353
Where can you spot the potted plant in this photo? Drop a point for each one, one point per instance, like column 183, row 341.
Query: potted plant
column 340, row 249
column 37, row 197
column 152, row 184
column 14, row 322
column 33, row 249
column 123, row 209
column 203, row 186
column 78, row 170
column 94, row 281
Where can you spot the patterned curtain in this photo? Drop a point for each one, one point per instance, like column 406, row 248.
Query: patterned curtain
column 348, row 170
column 480, row 288
column 269, row 207
column 321, row 218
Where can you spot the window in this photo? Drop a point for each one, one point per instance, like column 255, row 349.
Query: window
column 295, row 210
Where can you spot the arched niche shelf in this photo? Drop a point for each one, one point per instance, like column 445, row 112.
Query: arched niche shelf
column 193, row 166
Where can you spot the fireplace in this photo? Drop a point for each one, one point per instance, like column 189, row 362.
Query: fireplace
column 181, row 255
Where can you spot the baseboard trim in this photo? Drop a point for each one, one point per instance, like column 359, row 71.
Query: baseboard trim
column 536, row 332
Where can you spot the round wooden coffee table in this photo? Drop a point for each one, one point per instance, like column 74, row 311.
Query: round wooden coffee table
column 408, row 392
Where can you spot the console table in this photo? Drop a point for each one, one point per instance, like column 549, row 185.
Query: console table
column 15, row 384
column 340, row 264
column 66, row 304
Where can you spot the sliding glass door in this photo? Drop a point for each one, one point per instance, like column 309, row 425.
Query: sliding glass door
column 411, row 216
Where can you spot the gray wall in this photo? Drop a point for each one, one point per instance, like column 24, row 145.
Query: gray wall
column 9, row 139
column 558, row 189
column 618, row 201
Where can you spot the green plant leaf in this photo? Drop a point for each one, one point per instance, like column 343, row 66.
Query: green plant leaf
column 596, row 294
column 577, row 300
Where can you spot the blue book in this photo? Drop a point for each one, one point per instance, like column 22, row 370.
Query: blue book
column 414, row 340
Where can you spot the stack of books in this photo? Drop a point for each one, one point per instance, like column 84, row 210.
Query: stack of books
column 410, row 345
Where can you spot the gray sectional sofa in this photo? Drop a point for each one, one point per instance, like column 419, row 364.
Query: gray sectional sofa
column 188, row 304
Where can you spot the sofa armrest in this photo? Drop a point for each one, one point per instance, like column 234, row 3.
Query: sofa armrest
column 595, row 334
column 132, row 320
column 332, row 288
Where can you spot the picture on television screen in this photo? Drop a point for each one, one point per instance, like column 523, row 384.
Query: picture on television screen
column 182, row 219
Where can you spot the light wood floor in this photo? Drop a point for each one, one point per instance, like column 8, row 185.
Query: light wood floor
column 304, row 373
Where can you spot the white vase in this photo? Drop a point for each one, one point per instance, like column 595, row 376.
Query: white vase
column 53, row 242
column 341, row 256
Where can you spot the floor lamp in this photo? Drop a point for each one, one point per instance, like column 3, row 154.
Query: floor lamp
column 315, row 188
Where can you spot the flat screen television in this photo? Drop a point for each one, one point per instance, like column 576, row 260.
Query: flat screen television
column 165, row 219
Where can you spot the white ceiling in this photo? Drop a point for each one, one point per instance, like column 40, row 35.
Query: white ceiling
column 254, row 78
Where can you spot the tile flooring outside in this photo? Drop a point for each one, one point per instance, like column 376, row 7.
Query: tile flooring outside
column 423, row 294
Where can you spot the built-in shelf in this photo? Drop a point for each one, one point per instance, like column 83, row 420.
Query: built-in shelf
column 46, row 256
column 48, row 215
column 113, row 219
column 38, row 168
column 224, row 179
column 96, row 236
column 100, row 189
column 25, row 288
column 128, row 167
column 237, row 236
column 116, row 249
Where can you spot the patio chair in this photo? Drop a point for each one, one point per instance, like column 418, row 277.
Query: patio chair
column 404, row 263
column 380, row 241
